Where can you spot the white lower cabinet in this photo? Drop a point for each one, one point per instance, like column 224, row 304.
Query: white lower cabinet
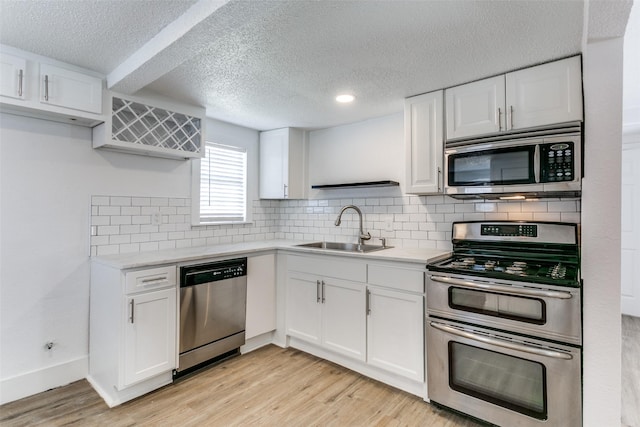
column 376, row 320
column 395, row 332
column 343, row 317
column 304, row 309
column 327, row 311
column 132, row 338
column 261, row 295
column 149, row 335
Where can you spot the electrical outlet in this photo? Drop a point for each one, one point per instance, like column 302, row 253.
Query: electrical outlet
column 156, row 218
column 388, row 225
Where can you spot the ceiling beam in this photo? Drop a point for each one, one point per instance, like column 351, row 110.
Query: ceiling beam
column 165, row 51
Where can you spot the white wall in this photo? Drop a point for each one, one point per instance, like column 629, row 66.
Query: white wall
column 372, row 150
column 48, row 173
column 601, row 232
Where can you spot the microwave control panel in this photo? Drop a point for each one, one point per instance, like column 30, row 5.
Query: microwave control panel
column 557, row 162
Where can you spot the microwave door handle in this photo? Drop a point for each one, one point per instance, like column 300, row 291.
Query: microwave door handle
column 500, row 288
column 501, row 343
column 536, row 163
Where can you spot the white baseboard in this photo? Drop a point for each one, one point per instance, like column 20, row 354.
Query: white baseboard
column 34, row 382
column 257, row 342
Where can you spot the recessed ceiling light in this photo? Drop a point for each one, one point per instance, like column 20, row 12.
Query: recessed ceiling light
column 345, row 98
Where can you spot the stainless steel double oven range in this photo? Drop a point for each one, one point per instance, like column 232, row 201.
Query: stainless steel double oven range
column 504, row 324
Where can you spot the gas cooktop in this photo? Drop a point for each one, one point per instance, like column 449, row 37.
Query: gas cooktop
column 549, row 272
column 536, row 252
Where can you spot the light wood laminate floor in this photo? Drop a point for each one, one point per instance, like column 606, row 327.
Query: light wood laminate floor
column 631, row 371
column 270, row 386
column 273, row 386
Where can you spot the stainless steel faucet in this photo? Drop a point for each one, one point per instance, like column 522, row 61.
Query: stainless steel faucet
column 362, row 237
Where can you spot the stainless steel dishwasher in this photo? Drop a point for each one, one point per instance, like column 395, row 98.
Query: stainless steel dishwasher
column 213, row 301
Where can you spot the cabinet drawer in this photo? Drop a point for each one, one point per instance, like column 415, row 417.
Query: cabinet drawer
column 396, row 277
column 150, row 278
column 329, row 267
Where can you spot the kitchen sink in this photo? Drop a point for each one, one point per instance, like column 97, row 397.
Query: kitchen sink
column 347, row 247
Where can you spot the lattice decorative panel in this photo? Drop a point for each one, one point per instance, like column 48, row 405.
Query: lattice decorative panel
column 146, row 125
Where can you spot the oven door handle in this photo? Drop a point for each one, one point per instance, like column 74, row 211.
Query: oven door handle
column 501, row 343
column 501, row 288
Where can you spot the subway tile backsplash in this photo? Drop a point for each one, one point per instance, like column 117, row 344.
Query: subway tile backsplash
column 121, row 224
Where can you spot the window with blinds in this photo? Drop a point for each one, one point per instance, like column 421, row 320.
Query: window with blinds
column 223, row 184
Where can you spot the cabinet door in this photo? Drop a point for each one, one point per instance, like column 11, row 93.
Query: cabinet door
column 13, row 76
column 274, row 164
column 395, row 339
column 303, row 307
column 546, row 94
column 150, row 335
column 475, row 108
column 70, row 89
column 261, row 295
column 344, row 318
column 423, row 134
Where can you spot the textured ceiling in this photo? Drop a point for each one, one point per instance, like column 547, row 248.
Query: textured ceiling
column 94, row 34
column 270, row 64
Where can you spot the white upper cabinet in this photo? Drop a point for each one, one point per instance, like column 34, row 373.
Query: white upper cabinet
column 475, row 108
column 543, row 95
column 424, row 138
column 69, row 89
column 12, row 76
column 282, row 164
column 151, row 127
column 546, row 94
column 35, row 86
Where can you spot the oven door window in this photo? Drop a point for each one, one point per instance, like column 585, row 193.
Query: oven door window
column 504, row 166
column 511, row 382
column 523, row 309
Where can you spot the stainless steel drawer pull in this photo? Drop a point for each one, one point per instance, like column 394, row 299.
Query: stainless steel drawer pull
column 501, row 343
column 318, row 291
column 500, row 119
column 46, row 88
column 502, row 288
column 323, row 285
column 154, row 280
column 131, row 305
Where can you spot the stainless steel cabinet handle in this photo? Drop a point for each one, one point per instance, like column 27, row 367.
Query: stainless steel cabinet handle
column 501, row 288
column 439, row 178
column 285, row 191
column 318, row 291
column 131, row 305
column 500, row 343
column 511, row 116
column 323, row 285
column 20, row 77
column 499, row 119
column 46, row 87
column 368, row 302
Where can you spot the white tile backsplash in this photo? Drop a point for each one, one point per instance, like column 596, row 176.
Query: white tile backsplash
column 124, row 224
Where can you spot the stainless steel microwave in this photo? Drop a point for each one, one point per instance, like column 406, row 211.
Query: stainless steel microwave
column 541, row 163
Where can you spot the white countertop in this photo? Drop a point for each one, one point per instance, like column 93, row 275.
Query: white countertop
column 172, row 256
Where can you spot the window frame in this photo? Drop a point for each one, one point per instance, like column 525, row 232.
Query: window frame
column 196, row 218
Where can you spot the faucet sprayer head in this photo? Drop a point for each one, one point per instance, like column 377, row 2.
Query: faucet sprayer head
column 338, row 221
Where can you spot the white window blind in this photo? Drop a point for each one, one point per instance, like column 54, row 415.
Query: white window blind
column 223, row 179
